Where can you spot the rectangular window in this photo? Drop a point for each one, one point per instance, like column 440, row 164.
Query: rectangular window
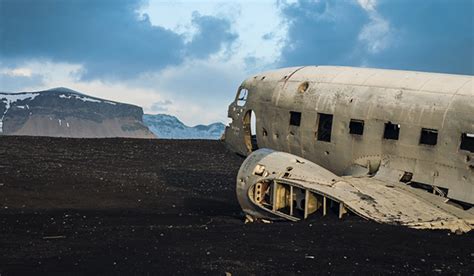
column 467, row 142
column 392, row 131
column 295, row 118
column 356, row 127
column 429, row 136
column 324, row 127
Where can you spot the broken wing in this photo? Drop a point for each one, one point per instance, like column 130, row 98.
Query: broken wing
column 277, row 185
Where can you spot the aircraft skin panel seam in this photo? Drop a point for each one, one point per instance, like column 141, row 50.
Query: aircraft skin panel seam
column 405, row 90
column 448, row 109
column 435, row 166
column 381, row 196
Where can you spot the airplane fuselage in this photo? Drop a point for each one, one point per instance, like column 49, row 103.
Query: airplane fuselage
column 416, row 127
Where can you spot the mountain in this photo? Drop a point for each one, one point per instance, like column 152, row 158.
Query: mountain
column 62, row 112
column 167, row 126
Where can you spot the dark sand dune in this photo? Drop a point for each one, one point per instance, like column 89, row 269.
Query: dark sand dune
column 159, row 207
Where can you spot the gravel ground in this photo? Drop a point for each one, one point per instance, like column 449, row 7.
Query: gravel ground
column 160, row 207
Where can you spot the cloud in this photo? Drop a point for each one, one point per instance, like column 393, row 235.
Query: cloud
column 123, row 50
column 212, row 34
column 208, row 83
column 368, row 5
column 422, row 35
column 200, row 90
column 197, row 91
column 160, row 106
column 144, row 54
column 268, row 36
column 376, row 34
column 321, row 32
column 110, row 39
column 15, row 81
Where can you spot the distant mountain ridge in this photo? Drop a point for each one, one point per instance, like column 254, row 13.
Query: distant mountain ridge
column 170, row 127
column 62, row 112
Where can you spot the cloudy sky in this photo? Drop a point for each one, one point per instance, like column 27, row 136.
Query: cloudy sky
column 187, row 58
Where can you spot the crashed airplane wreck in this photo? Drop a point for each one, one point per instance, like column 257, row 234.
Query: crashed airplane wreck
column 390, row 146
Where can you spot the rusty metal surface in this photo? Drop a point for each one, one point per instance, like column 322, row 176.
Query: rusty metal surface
column 412, row 100
column 307, row 111
column 368, row 197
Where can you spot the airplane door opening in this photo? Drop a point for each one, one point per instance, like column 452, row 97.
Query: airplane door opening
column 250, row 128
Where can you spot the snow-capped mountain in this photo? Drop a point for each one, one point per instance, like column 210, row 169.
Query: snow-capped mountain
column 169, row 127
column 63, row 112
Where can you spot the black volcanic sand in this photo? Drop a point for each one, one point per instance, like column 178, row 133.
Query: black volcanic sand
column 126, row 206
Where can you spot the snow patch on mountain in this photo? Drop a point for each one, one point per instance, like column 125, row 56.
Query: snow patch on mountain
column 169, row 127
column 62, row 112
column 84, row 99
column 9, row 99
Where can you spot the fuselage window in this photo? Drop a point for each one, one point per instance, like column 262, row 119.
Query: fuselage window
column 429, row 136
column 324, row 127
column 356, row 127
column 295, row 118
column 467, row 142
column 392, row 131
column 242, row 97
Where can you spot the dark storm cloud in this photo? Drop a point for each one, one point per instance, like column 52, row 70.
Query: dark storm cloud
column 423, row 35
column 321, row 32
column 212, row 33
column 108, row 37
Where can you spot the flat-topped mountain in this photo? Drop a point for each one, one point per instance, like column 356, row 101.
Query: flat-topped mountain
column 62, row 112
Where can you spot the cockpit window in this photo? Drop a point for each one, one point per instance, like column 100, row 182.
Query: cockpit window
column 242, row 97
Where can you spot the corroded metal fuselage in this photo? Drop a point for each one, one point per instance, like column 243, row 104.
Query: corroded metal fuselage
column 415, row 127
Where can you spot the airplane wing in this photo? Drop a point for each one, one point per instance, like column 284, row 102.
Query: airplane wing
column 396, row 203
column 277, row 185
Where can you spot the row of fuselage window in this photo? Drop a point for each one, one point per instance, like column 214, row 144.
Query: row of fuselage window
column 391, row 131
